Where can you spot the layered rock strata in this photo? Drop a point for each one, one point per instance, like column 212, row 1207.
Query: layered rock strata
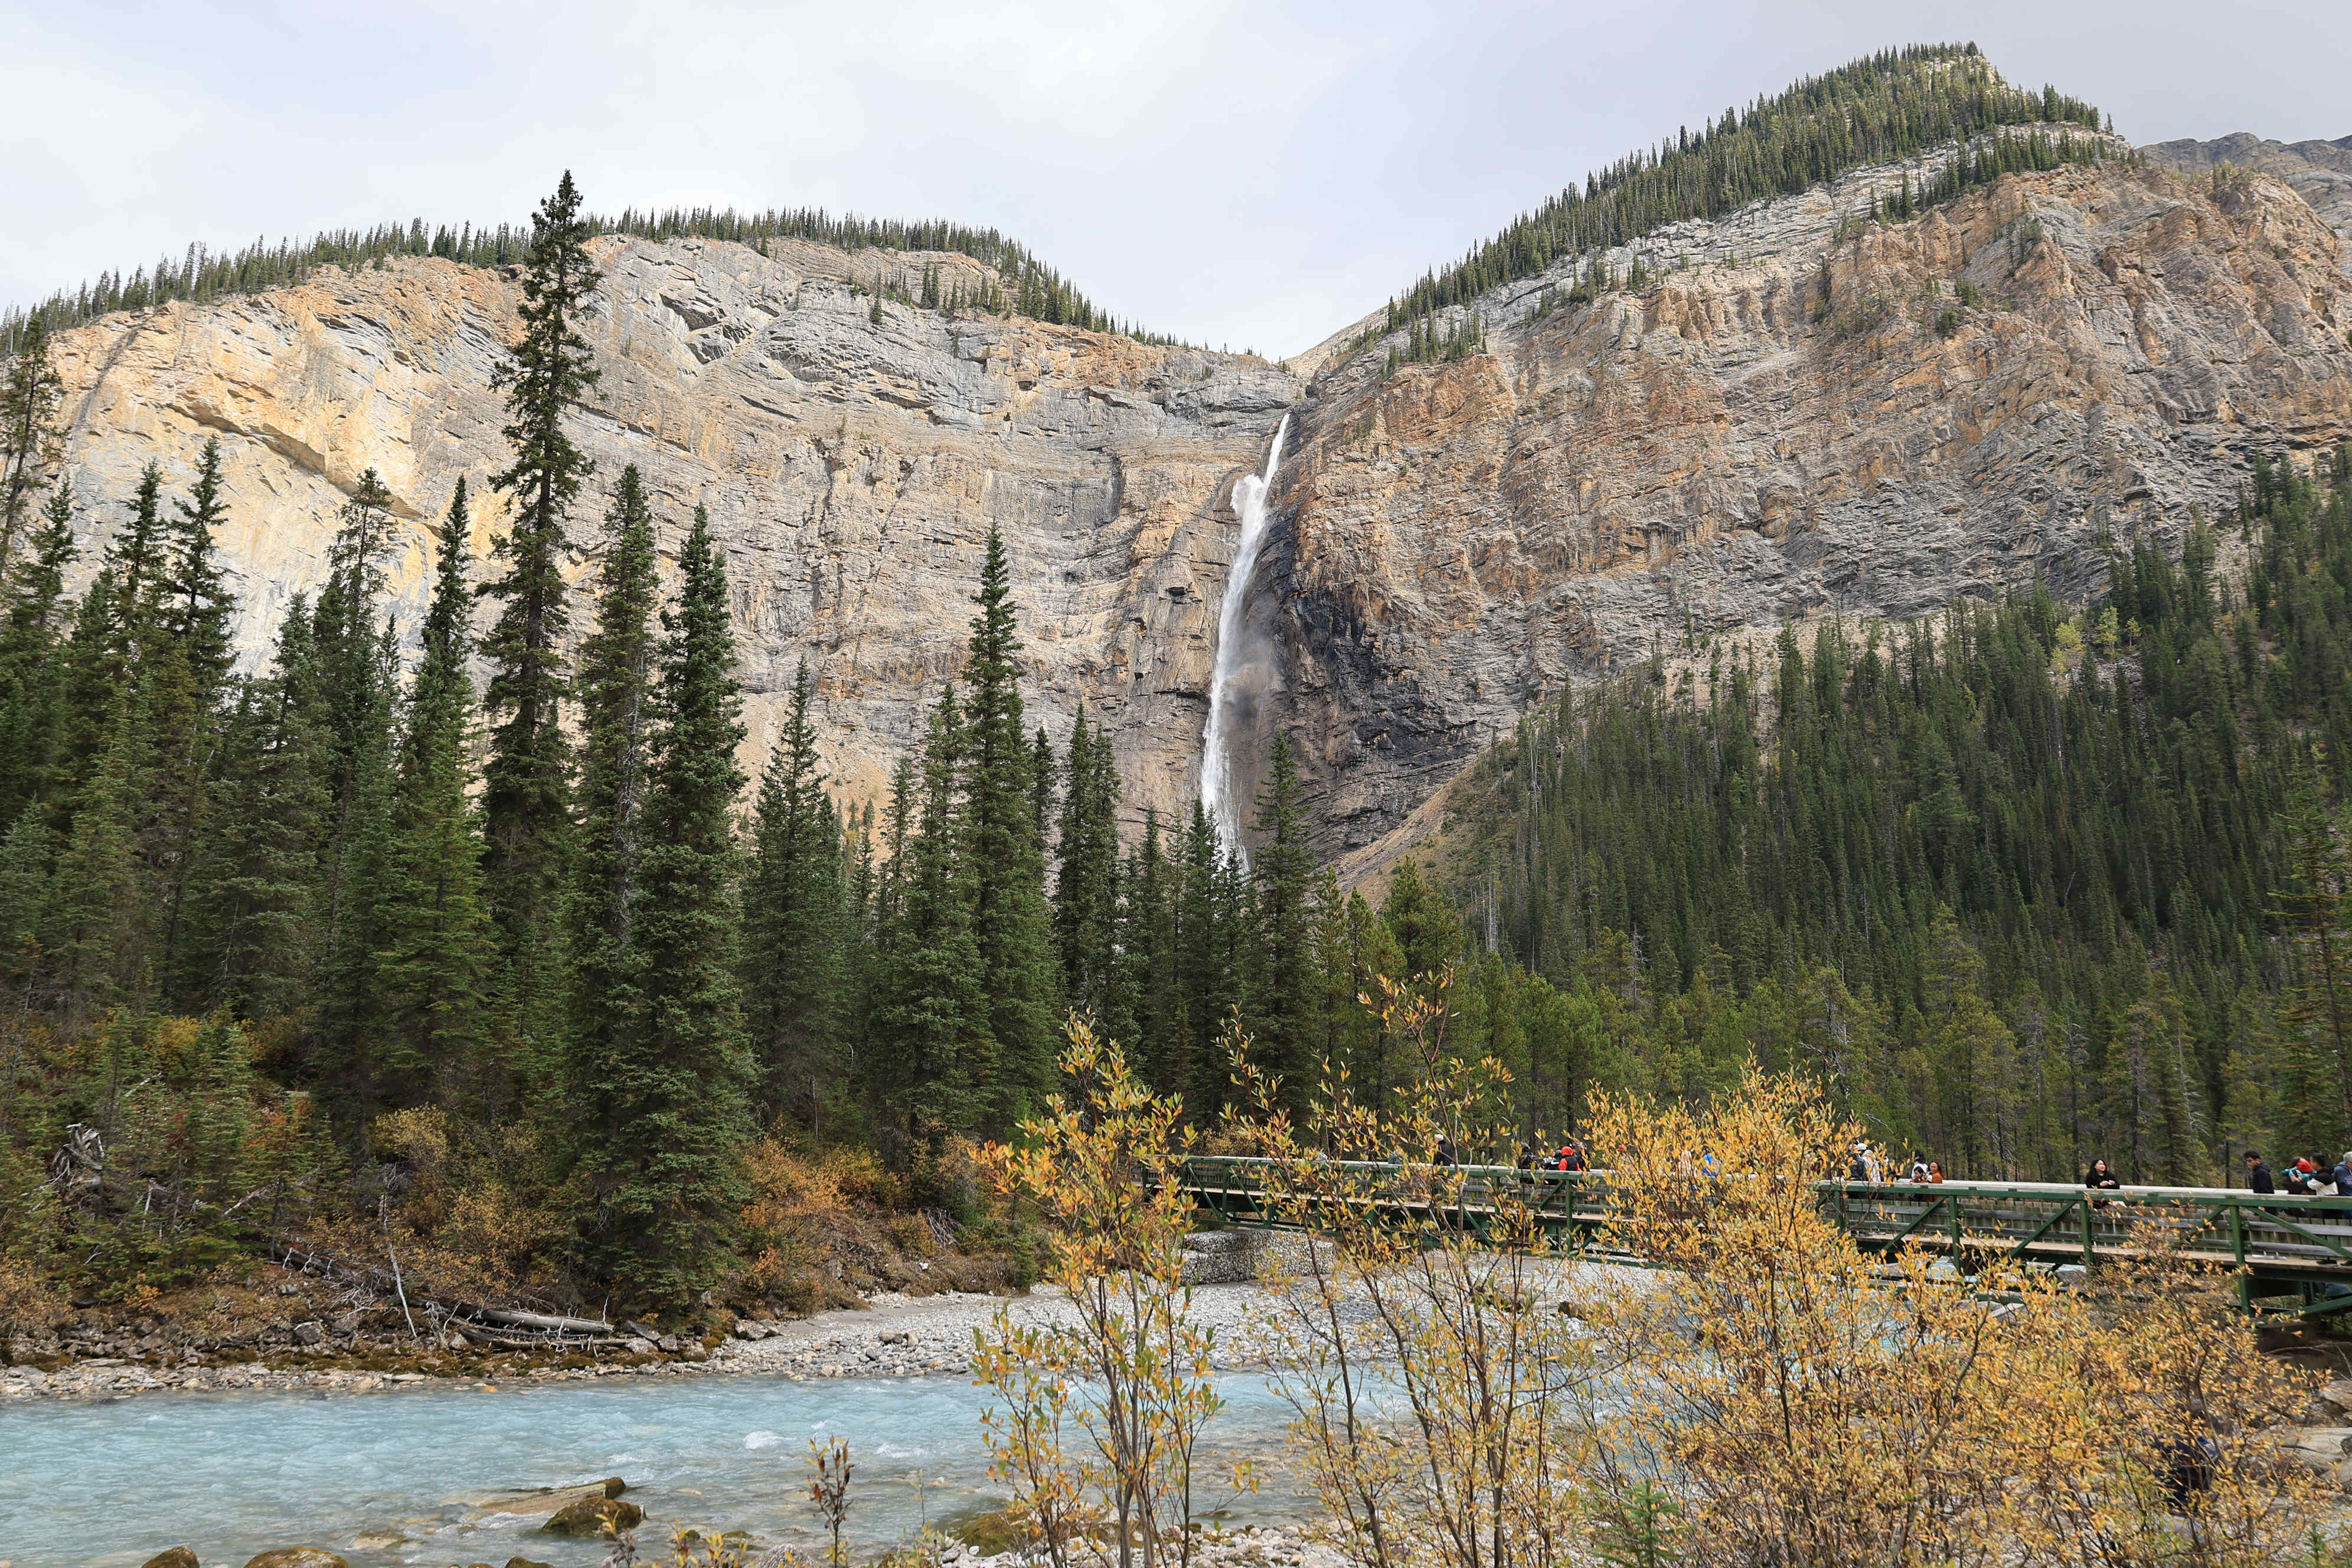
column 852, row 467
column 1801, row 414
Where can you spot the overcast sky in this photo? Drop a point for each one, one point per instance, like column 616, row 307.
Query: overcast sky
column 1244, row 174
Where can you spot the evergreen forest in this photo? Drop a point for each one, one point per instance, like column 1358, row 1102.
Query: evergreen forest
column 2026, row 886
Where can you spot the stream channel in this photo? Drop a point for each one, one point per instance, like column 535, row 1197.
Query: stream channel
column 413, row 1475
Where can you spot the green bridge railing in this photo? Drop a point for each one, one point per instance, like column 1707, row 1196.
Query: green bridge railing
column 2287, row 1247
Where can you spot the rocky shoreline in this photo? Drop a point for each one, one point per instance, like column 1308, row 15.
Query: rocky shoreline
column 889, row 1336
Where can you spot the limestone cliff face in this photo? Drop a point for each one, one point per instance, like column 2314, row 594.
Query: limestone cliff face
column 1808, row 417
column 850, row 469
column 1798, row 415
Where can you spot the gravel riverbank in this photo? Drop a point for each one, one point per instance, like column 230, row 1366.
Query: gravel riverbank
column 889, row 1336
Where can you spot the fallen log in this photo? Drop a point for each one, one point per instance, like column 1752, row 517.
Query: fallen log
column 537, row 1320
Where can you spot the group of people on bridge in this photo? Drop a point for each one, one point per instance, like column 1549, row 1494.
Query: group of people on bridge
column 1869, row 1165
column 2309, row 1177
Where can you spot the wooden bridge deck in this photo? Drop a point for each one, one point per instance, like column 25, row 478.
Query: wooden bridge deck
column 2285, row 1245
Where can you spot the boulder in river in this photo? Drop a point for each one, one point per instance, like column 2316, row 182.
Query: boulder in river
column 525, row 1563
column 594, row 1516
column 297, row 1557
column 177, row 1557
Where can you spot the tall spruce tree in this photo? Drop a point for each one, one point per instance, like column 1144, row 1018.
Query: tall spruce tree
column 1206, row 980
column 666, row 1118
column 1004, row 858
column 2311, row 907
column 355, row 666
column 184, row 665
column 251, row 944
column 932, row 1056
column 794, row 919
column 616, row 686
column 32, row 663
column 29, row 441
column 1283, row 1010
column 1086, row 887
column 1152, row 949
column 526, row 794
column 98, row 917
column 435, row 968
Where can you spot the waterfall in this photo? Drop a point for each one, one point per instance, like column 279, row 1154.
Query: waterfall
column 1238, row 677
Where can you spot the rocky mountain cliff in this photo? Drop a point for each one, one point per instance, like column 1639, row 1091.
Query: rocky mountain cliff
column 852, row 468
column 1801, row 415
column 2320, row 172
column 1798, row 413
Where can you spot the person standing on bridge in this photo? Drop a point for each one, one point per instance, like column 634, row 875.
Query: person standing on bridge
column 2344, row 1175
column 2100, row 1179
column 2258, row 1175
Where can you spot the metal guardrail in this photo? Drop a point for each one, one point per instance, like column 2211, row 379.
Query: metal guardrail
column 2283, row 1246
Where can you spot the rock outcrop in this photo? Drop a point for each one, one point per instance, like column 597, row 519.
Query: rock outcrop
column 2320, row 172
column 852, row 468
column 1800, row 414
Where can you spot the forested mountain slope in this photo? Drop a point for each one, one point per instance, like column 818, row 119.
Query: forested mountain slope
column 1795, row 412
column 2026, row 884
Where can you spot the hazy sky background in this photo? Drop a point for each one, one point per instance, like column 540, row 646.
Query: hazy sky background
column 1248, row 174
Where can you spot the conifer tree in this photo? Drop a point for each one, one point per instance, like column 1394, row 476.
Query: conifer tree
column 526, row 797
column 793, row 974
column 1004, row 858
column 352, row 681
column 932, row 1056
column 1284, row 1008
column 25, row 854
column 1152, row 951
column 115, row 618
column 1969, row 1050
column 354, row 1054
column 434, row 969
column 28, row 437
column 2318, row 1014
column 1206, row 980
column 97, row 918
column 1422, row 920
column 184, row 666
column 1086, row 888
column 666, row 1105
column 615, row 688
column 32, row 663
column 198, row 601
column 250, row 948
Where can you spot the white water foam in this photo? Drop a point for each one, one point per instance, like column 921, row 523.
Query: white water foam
column 1228, row 692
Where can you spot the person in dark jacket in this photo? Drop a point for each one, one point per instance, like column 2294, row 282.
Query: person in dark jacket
column 2258, row 1175
column 2099, row 1178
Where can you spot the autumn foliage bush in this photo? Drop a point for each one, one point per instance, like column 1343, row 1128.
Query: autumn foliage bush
column 1764, row 1392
